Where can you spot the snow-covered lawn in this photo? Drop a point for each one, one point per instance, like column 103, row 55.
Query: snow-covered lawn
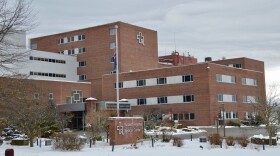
column 162, row 149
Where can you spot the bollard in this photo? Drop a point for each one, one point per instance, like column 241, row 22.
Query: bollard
column 152, row 142
column 113, row 144
column 90, row 143
column 40, row 143
column 37, row 141
column 191, row 137
column 9, row 152
column 263, row 146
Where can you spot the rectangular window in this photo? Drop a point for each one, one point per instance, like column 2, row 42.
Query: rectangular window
column 141, row 82
column 82, row 50
column 34, row 46
column 250, row 99
column 189, row 116
column 225, row 78
column 112, row 45
column 188, row 98
column 81, row 37
column 226, row 98
column 234, row 115
column 50, row 96
column 175, row 116
column 82, row 63
column 187, row 78
column 250, row 82
column 82, row 77
column 141, row 101
column 112, row 31
column 161, row 80
column 162, row 100
column 112, row 59
column 120, row 85
column 235, row 65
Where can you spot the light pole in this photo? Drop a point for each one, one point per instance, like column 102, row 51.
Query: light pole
column 223, row 107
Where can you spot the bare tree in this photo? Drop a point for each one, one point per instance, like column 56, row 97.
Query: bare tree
column 97, row 122
column 26, row 107
column 15, row 18
column 268, row 111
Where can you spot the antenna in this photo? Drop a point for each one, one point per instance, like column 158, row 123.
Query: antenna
column 175, row 41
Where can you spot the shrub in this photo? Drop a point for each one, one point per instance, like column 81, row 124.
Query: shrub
column 230, row 141
column 166, row 135
column 177, row 142
column 233, row 123
column 243, row 141
column 214, row 139
column 97, row 138
column 67, row 141
column 260, row 141
column 1, row 142
column 19, row 142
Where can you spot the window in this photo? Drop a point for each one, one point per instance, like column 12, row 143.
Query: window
column 175, row 116
column 234, row 115
column 31, row 58
column 226, row 98
column 141, row 101
column 83, row 77
column 50, row 96
column 71, row 52
column 250, row 99
column 250, row 82
column 120, row 85
column 82, row 63
column 235, row 65
column 225, row 78
column 112, row 31
column 161, row 80
column 76, row 97
column 33, row 46
column 60, row 41
column 162, row 100
column 187, row 78
column 189, row 116
column 188, row 98
column 141, row 82
column 112, row 45
column 112, row 59
column 82, row 50
column 81, row 37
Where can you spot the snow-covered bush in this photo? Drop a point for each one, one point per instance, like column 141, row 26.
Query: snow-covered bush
column 243, row 141
column 177, row 142
column 214, row 139
column 67, row 141
column 20, row 142
column 230, row 141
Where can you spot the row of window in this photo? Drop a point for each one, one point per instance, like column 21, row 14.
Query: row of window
column 73, row 51
column 231, row 79
column 233, row 98
column 159, row 81
column 71, row 39
column 48, row 74
column 228, row 115
column 184, row 116
column 47, row 59
column 37, row 96
column 164, row 99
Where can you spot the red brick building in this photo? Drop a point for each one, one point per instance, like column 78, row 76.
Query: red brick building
column 190, row 92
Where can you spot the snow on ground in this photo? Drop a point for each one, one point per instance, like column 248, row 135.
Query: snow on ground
column 146, row 149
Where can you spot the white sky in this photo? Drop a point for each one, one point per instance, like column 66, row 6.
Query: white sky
column 215, row 28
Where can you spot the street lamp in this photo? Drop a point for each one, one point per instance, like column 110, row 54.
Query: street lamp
column 223, row 108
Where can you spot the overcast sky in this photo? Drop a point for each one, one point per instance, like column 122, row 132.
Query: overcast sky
column 204, row 28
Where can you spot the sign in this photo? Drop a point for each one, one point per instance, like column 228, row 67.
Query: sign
column 129, row 128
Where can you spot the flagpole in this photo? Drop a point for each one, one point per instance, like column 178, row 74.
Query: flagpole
column 117, row 71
